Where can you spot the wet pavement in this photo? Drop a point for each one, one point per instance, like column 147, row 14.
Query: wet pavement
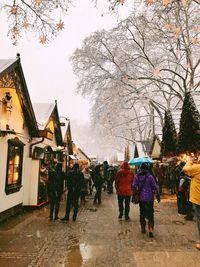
column 98, row 238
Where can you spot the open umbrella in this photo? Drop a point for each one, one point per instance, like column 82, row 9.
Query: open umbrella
column 138, row 161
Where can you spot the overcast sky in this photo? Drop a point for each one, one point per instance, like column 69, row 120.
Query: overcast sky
column 47, row 69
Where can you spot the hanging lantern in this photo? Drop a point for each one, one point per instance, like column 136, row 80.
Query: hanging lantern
column 184, row 3
column 167, row 26
column 60, row 26
column 177, row 31
column 194, row 40
column 121, row 1
column 166, row 2
column 43, row 40
column 38, row 2
column 25, row 24
column 14, row 10
column 149, row 2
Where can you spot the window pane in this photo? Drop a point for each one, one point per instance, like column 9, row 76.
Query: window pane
column 9, row 179
column 15, row 154
column 15, row 177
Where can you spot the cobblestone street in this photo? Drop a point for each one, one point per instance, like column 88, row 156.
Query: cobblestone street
column 98, row 238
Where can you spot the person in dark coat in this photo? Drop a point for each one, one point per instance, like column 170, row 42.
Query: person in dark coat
column 159, row 176
column 111, row 178
column 146, row 184
column 177, row 176
column 105, row 174
column 75, row 181
column 182, row 191
column 54, row 191
column 98, row 183
column 123, row 185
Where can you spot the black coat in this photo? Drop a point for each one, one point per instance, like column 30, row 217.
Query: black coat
column 54, row 185
column 75, row 181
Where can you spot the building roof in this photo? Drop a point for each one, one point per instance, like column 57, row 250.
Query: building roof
column 155, row 151
column 12, row 76
column 43, row 112
column 143, row 148
column 6, row 63
column 78, row 149
column 46, row 111
column 64, row 129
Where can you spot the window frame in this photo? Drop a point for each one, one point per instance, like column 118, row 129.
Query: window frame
column 15, row 187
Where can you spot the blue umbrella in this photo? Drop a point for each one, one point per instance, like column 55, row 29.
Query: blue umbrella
column 138, row 161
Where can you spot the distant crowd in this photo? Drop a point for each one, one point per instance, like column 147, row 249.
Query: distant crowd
column 139, row 185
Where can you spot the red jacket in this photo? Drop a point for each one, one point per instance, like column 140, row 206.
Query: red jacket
column 124, row 180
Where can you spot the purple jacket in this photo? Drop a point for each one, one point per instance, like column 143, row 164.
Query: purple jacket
column 148, row 189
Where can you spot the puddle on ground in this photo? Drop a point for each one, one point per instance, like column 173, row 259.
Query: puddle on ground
column 79, row 254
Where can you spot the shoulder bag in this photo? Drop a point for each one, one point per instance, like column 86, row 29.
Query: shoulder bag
column 136, row 196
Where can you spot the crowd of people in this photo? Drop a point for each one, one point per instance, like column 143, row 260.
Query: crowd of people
column 145, row 182
column 78, row 183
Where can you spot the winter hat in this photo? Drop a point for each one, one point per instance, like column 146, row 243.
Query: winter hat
column 125, row 165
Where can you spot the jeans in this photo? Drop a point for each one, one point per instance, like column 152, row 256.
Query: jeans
column 147, row 212
column 181, row 203
column 54, row 202
column 121, row 201
column 72, row 202
column 97, row 196
column 197, row 212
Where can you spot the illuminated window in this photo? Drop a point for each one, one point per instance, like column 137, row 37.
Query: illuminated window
column 50, row 126
column 14, row 165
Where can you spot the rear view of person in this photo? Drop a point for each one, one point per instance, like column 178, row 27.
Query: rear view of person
column 147, row 187
column 98, row 182
column 75, row 181
column 123, row 185
column 54, row 190
column 159, row 176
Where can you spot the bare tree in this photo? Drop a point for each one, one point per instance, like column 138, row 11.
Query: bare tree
column 144, row 65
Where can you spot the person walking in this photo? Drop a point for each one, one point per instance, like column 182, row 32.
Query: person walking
column 59, row 170
column 85, row 188
column 194, row 172
column 111, row 178
column 54, row 191
column 98, row 183
column 183, row 191
column 159, row 176
column 123, row 185
column 75, row 181
column 146, row 185
column 105, row 174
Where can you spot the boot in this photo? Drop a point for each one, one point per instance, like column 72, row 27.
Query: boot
column 74, row 217
column 151, row 231
column 143, row 228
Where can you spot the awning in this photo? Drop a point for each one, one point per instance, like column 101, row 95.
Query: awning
column 72, row 157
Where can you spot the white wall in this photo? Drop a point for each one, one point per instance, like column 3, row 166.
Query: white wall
column 31, row 172
column 16, row 122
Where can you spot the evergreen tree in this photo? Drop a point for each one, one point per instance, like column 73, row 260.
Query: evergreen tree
column 189, row 137
column 169, row 136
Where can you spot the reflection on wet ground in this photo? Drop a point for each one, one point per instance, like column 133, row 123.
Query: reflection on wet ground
column 99, row 239
column 82, row 255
